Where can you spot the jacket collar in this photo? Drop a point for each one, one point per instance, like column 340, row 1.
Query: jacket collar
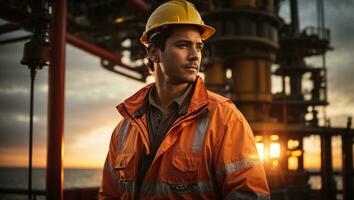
column 131, row 106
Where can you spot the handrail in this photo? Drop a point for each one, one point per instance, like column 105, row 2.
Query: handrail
column 322, row 33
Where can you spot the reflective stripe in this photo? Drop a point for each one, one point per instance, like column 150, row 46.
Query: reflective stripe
column 199, row 134
column 110, row 170
column 236, row 166
column 127, row 186
column 164, row 188
column 124, row 130
column 247, row 196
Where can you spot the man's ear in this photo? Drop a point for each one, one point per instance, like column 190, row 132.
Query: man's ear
column 153, row 53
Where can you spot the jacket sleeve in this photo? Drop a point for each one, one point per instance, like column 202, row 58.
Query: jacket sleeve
column 238, row 169
column 109, row 188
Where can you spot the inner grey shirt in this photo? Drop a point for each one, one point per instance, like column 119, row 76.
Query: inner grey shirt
column 159, row 121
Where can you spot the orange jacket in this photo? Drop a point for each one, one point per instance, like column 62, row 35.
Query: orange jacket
column 209, row 153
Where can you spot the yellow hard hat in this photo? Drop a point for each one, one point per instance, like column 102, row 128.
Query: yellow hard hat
column 176, row 12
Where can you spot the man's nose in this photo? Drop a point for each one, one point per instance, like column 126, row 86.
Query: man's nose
column 194, row 54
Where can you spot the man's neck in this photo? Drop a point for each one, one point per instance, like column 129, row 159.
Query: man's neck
column 167, row 92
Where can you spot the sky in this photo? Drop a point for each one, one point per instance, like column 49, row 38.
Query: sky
column 92, row 93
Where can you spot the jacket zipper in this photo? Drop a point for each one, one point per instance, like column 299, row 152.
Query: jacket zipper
column 136, row 122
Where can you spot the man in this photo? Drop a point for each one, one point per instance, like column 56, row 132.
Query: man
column 177, row 140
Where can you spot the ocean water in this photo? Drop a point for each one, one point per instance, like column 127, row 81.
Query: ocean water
column 73, row 178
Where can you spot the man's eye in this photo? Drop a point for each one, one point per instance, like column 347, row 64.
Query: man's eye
column 200, row 48
column 182, row 45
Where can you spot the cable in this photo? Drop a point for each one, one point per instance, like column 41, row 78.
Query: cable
column 33, row 75
column 36, row 54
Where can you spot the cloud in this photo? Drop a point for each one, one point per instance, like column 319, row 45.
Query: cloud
column 15, row 130
column 340, row 62
column 91, row 95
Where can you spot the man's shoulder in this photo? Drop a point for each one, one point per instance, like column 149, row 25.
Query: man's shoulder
column 224, row 105
column 218, row 102
column 214, row 97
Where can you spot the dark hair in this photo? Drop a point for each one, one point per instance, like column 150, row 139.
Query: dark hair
column 159, row 37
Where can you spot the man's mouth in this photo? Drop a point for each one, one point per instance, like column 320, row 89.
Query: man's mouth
column 191, row 67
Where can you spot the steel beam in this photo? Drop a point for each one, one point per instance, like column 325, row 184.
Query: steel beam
column 141, row 5
column 328, row 184
column 95, row 50
column 347, row 166
column 294, row 16
column 301, row 157
column 55, row 176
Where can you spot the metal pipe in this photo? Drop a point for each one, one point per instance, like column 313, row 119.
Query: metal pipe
column 141, row 5
column 347, row 167
column 301, row 157
column 294, row 17
column 54, row 179
column 320, row 18
column 327, row 188
column 283, row 159
column 95, row 50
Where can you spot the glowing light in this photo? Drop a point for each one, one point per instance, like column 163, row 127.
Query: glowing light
column 119, row 20
column 122, row 19
column 274, row 150
column 258, row 138
column 274, row 137
column 260, row 150
column 275, row 163
column 296, row 153
column 292, row 144
column 293, row 163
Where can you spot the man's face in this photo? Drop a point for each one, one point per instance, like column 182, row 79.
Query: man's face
column 180, row 61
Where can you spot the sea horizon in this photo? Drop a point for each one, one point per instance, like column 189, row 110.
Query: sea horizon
column 17, row 177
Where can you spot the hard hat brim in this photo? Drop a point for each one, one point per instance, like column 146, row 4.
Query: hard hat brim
column 208, row 31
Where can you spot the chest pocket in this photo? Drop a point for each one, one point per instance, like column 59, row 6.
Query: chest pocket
column 187, row 161
column 185, row 167
column 124, row 166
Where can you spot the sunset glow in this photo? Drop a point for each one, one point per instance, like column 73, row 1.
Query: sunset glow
column 260, row 150
column 274, row 150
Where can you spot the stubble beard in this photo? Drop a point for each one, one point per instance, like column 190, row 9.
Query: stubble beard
column 181, row 80
column 178, row 79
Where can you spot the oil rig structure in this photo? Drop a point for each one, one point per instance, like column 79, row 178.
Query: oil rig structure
column 252, row 44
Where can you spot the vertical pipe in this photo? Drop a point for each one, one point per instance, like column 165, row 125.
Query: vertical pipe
column 284, row 102
column 327, row 190
column 54, row 179
column 347, row 166
column 320, row 18
column 294, row 17
column 215, row 77
column 301, row 157
column 296, row 84
column 283, row 159
column 30, row 150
